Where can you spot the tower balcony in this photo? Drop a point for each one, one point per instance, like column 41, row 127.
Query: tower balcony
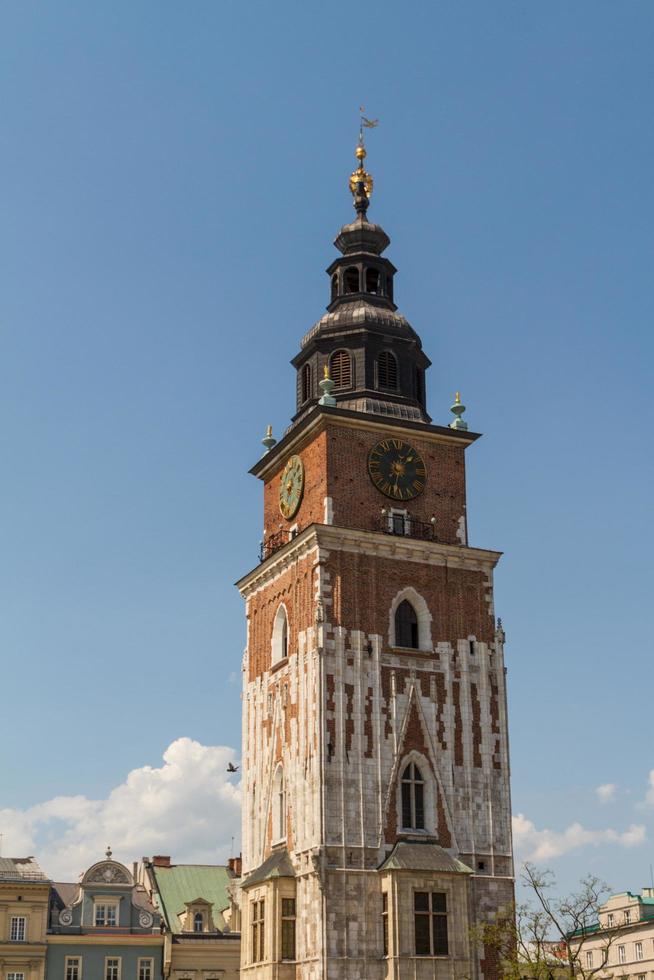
column 388, row 522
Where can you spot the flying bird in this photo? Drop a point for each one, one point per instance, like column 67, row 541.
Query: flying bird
column 232, row 768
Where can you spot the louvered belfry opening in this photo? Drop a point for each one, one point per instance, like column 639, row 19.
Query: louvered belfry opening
column 306, row 382
column 387, row 370
column 340, row 369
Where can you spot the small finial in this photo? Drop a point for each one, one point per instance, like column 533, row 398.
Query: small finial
column 457, row 410
column 326, row 386
column 108, row 853
column 269, row 440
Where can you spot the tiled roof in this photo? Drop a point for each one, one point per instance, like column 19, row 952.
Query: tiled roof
column 407, row 856
column 359, row 313
column 24, row 869
column 183, row 883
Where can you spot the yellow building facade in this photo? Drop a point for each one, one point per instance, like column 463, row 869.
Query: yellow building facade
column 24, row 898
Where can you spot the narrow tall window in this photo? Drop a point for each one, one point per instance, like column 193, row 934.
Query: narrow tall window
column 112, row 968
column 198, row 922
column 351, row 280
column 280, row 636
column 622, row 956
column 288, row 928
column 334, row 286
column 372, row 281
column 627, row 915
column 406, row 626
column 385, row 922
column 389, row 287
column 413, row 798
column 639, row 951
column 146, row 969
column 279, row 805
column 18, row 929
column 306, row 382
column 340, row 369
column 609, row 920
column 430, row 920
column 73, row 967
column 387, row 371
column 258, row 936
column 589, row 959
column 420, row 386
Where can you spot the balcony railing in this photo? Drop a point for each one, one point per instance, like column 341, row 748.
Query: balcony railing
column 274, row 542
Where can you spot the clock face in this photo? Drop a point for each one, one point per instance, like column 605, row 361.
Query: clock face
column 291, row 487
column 397, row 469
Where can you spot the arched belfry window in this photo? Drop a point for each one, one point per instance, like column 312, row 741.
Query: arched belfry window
column 306, row 382
column 280, row 636
column 334, row 286
column 279, row 804
column 413, row 798
column 351, row 280
column 387, row 370
column 198, row 922
column 406, row 626
column 340, row 369
column 372, row 281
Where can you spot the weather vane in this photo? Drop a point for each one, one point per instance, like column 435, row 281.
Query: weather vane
column 360, row 177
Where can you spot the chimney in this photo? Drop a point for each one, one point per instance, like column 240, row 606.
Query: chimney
column 648, row 893
column 236, row 866
column 161, row 860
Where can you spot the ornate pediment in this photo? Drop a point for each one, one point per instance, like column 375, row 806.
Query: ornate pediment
column 107, row 873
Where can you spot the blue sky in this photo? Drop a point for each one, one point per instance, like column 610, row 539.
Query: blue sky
column 173, row 177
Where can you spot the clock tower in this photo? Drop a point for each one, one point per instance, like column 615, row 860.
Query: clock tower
column 376, row 804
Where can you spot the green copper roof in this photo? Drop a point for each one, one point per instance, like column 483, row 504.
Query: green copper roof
column 183, row 883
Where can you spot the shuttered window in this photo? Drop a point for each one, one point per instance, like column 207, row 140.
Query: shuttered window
column 340, row 369
column 387, row 370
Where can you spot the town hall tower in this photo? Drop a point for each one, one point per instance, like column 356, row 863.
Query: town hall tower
column 376, row 805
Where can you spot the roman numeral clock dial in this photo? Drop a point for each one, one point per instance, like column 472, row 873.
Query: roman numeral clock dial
column 397, row 469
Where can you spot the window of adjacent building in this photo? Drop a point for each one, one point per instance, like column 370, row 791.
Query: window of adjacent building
column 413, row 798
column 146, row 969
column 198, row 922
column 640, row 976
column 430, row 918
column 385, row 922
column 105, row 915
column 406, row 626
column 279, row 805
column 112, row 968
column 627, row 915
column 609, row 919
column 15, row 976
column 351, row 280
column 387, row 370
column 639, row 951
column 258, row 934
column 73, row 967
column 372, row 281
column 306, row 382
column 280, row 636
column 340, row 369
column 622, row 956
column 589, row 960
column 288, row 928
column 18, row 929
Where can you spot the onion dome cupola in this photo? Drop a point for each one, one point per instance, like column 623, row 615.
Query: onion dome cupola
column 362, row 343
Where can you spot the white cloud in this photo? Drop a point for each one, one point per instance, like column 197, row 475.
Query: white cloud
column 187, row 808
column 532, row 844
column 606, row 792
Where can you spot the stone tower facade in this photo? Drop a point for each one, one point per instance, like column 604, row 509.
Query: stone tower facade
column 376, row 816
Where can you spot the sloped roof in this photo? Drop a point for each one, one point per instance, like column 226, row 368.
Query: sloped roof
column 182, row 883
column 278, row 865
column 418, row 856
column 26, row 869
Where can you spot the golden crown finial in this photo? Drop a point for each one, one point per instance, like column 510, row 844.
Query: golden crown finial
column 361, row 175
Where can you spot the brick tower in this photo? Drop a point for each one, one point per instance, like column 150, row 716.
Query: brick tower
column 376, row 805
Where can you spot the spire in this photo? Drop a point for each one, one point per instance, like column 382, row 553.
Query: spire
column 361, row 182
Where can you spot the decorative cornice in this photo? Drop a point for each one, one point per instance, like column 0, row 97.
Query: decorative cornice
column 330, row 537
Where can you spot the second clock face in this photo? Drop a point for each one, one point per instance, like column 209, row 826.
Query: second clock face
column 397, row 469
column 291, row 487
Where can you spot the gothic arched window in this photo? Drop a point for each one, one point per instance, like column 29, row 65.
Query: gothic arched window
column 340, row 369
column 279, row 805
column 334, row 286
column 372, row 281
column 306, row 382
column 387, row 370
column 198, row 922
column 280, row 636
column 351, row 280
column 406, row 625
column 413, row 798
